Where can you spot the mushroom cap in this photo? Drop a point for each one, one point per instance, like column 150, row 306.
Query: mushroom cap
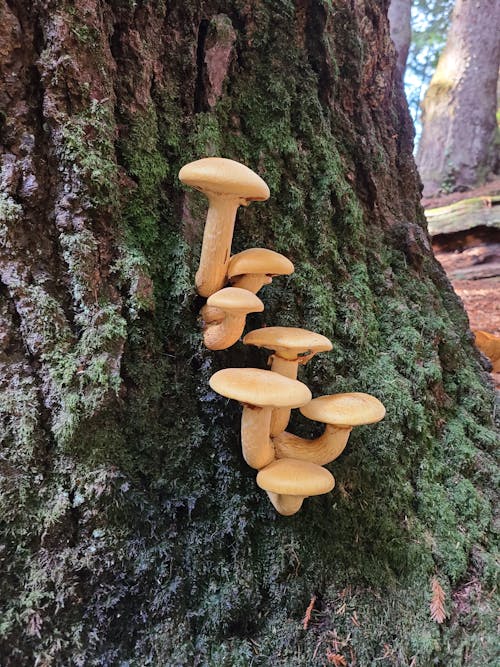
column 222, row 176
column 295, row 478
column 345, row 409
column 254, row 386
column 236, row 300
column 259, row 260
column 489, row 344
column 288, row 342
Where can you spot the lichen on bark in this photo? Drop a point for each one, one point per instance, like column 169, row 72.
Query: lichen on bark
column 134, row 532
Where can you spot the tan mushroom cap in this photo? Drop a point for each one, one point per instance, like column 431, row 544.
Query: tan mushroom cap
column 259, row 260
column 345, row 409
column 292, row 477
column 236, row 300
column 288, row 342
column 223, row 176
column 254, row 386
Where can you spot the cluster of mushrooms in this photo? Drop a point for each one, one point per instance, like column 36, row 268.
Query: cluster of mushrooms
column 290, row 467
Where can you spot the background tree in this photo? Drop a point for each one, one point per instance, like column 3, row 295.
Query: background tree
column 430, row 20
column 458, row 149
column 132, row 531
column 400, row 25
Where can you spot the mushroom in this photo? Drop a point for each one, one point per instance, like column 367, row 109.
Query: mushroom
column 489, row 344
column 340, row 412
column 255, row 267
column 224, row 316
column 259, row 391
column 227, row 184
column 291, row 346
column 289, row 481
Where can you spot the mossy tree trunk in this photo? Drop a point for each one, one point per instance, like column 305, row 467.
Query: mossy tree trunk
column 132, row 530
column 459, row 146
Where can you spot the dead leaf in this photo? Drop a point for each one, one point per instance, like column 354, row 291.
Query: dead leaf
column 336, row 659
column 307, row 617
column 438, row 612
column 35, row 623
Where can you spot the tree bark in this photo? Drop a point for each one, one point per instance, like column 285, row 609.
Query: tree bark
column 132, row 530
column 400, row 24
column 458, row 149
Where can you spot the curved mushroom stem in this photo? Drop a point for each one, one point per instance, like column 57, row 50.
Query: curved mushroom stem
column 217, row 238
column 220, row 335
column 251, row 281
column 284, row 504
column 321, row 451
column 258, row 450
column 281, row 416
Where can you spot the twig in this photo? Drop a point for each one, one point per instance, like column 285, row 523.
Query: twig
column 307, row 617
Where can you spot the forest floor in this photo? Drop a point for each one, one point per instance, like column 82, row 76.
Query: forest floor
column 470, row 255
column 488, row 189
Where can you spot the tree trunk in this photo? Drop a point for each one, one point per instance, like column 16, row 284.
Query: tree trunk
column 133, row 532
column 458, row 149
column 400, row 24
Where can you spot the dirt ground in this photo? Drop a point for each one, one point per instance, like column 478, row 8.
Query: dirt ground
column 481, row 300
column 471, row 259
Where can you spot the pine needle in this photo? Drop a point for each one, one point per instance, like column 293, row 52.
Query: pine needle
column 307, row 617
column 438, row 612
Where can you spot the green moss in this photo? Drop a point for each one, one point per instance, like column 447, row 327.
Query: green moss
column 148, row 168
column 10, row 211
column 19, row 414
column 85, row 34
column 88, row 147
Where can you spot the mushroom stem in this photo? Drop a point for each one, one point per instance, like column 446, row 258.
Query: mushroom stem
column 258, row 450
column 281, row 416
column 217, row 238
column 251, row 281
column 284, row 504
column 211, row 315
column 286, row 367
column 321, row 451
column 220, row 335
